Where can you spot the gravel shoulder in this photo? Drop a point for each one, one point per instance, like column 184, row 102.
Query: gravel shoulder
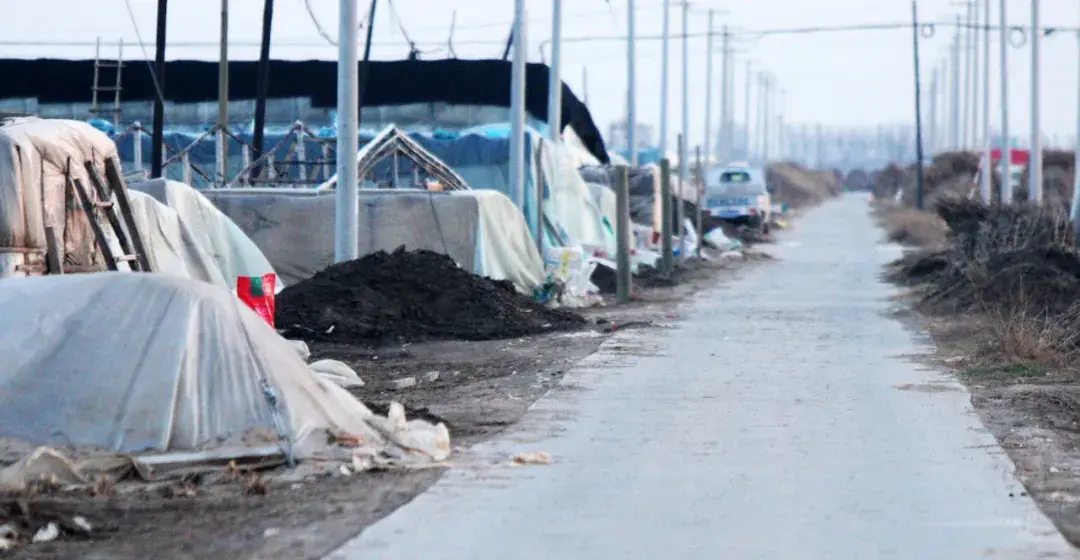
column 476, row 388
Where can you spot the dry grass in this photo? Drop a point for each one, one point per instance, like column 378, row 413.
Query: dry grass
column 917, row 228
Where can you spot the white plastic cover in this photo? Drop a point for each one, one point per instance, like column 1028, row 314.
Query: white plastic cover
column 234, row 253
column 148, row 362
column 505, row 248
column 36, row 156
column 171, row 246
column 570, row 200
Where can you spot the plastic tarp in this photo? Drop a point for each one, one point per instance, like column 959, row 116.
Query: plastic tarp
column 143, row 363
column 172, row 247
column 481, row 230
column 36, row 158
column 569, row 197
column 230, row 249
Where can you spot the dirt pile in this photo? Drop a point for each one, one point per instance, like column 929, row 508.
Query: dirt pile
column 798, row 186
column 410, row 296
column 1010, row 259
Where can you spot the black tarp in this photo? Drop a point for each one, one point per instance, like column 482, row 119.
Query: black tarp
column 399, row 82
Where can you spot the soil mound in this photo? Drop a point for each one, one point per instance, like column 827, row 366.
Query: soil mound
column 410, row 296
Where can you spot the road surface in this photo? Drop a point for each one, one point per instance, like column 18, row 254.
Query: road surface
column 782, row 418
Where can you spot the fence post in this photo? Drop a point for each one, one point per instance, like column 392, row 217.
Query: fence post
column 622, row 234
column 665, row 213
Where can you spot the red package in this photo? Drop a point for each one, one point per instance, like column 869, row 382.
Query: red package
column 258, row 294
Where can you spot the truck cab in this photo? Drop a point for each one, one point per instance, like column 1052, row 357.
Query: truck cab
column 738, row 193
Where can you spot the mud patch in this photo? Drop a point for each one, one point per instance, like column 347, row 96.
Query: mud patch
column 928, row 388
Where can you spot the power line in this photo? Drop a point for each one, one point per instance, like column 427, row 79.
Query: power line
column 747, row 34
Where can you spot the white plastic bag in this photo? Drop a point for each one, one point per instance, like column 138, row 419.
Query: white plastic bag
column 337, row 372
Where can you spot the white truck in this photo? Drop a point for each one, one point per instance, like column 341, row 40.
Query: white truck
column 738, row 193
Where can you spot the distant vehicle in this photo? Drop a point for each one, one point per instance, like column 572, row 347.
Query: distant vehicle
column 739, row 194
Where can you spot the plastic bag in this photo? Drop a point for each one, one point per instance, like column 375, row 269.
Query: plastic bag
column 258, row 294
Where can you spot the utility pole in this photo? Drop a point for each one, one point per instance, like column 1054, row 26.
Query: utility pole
column 931, row 134
column 555, row 74
column 955, row 132
column 724, row 153
column 684, row 160
column 223, row 98
column 664, row 61
column 1035, row 173
column 966, row 106
column 631, row 78
column 517, row 106
column 920, row 176
column 749, row 152
column 987, row 176
column 158, row 135
column 1074, row 211
column 708, row 91
column 781, row 154
column 1006, row 149
column 976, row 35
column 262, row 86
column 346, row 196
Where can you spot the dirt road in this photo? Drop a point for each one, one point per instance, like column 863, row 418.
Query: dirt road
column 782, row 418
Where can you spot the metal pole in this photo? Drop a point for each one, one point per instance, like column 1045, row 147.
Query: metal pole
column 1074, row 211
column 1035, row 172
column 157, row 150
column 664, row 61
column 708, row 88
column 517, row 107
column 966, row 105
column 622, row 234
column 976, row 36
column 724, row 139
column 987, row 185
column 766, row 122
column 665, row 213
column 931, row 134
column 262, row 86
column 748, row 152
column 679, row 206
column 955, row 129
column 780, row 139
column 1006, row 151
column 920, row 177
column 585, row 84
column 346, row 198
column 555, row 74
column 223, row 97
column 699, row 188
column 684, row 169
column 631, row 78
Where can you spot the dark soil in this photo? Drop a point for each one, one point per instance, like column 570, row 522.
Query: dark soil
column 410, row 296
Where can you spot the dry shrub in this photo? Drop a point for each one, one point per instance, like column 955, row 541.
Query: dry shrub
column 1015, row 267
column 1026, row 335
column 918, row 228
column 800, row 187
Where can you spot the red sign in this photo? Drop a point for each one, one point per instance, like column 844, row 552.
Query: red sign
column 1016, row 156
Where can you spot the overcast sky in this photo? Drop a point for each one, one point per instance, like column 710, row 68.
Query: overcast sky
column 860, row 78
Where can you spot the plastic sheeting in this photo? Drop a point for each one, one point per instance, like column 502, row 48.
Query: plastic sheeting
column 172, row 247
column 231, row 250
column 481, row 230
column 36, row 157
column 132, row 363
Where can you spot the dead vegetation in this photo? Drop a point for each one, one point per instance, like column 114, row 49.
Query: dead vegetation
column 1012, row 269
column 916, row 228
column 800, row 187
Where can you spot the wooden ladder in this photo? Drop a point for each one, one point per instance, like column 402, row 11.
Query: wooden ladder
column 118, row 67
column 122, row 223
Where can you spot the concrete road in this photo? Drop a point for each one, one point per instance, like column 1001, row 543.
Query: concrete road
column 782, row 419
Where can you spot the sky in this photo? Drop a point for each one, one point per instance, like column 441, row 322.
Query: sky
column 839, row 79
